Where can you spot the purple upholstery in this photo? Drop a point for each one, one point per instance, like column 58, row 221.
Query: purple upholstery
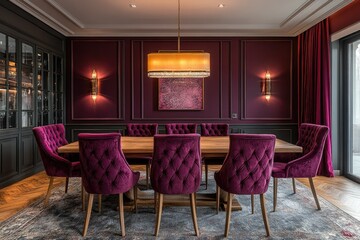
column 247, row 167
column 180, row 128
column 103, row 165
column 176, row 165
column 312, row 138
column 48, row 139
column 141, row 130
column 214, row 129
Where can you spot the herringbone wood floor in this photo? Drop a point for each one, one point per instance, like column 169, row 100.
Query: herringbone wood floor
column 340, row 191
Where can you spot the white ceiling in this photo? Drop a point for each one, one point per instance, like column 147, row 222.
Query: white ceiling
column 198, row 17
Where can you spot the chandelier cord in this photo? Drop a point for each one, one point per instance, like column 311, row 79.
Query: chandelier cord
column 178, row 25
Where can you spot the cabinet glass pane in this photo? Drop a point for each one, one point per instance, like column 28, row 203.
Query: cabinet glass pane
column 12, row 98
column 27, row 99
column 39, row 80
column 58, row 116
column 12, row 119
column 2, row 119
column 39, row 60
column 46, row 79
column 59, row 99
column 2, row 97
column 27, row 76
column 46, row 101
column 45, row 118
column 2, row 46
column 39, row 101
column 46, row 61
column 12, row 73
column 12, row 49
column 59, row 87
column 2, row 72
column 27, row 119
column 27, row 54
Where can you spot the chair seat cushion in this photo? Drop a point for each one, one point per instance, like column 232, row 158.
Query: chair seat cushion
column 278, row 170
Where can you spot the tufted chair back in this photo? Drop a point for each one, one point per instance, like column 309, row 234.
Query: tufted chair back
column 180, row 128
column 311, row 136
column 176, row 165
column 104, row 168
column 247, row 167
column 214, row 129
column 48, row 139
column 141, row 130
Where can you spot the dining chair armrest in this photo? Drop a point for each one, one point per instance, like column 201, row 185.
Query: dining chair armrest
column 305, row 166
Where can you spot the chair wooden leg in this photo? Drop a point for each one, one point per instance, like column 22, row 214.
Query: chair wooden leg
column 83, row 196
column 135, row 199
column 275, row 193
column 193, row 213
column 263, row 211
column 294, row 185
column 49, row 191
column 228, row 214
column 314, row 193
column 159, row 212
column 99, row 203
column 88, row 214
column 155, row 202
column 206, row 175
column 252, row 203
column 66, row 185
column 121, row 214
column 147, row 175
column 217, row 199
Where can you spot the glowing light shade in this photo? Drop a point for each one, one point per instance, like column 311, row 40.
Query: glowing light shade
column 179, row 64
column 94, row 85
column 266, row 86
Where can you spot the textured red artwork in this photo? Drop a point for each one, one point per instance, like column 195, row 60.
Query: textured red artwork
column 181, row 94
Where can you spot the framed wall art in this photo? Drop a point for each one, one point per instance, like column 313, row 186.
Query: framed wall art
column 181, row 94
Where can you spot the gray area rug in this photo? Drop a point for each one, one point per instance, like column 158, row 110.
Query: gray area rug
column 296, row 218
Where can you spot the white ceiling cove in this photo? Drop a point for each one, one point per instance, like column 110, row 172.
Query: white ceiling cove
column 198, row 17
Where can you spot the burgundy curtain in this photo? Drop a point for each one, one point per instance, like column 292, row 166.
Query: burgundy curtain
column 314, row 84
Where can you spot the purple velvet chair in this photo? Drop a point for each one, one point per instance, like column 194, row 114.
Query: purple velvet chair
column 141, row 130
column 312, row 139
column 176, row 169
column 213, row 129
column 246, row 171
column 104, row 170
column 180, row 128
column 48, row 139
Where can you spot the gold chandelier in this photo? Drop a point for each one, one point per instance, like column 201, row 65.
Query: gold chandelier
column 179, row 64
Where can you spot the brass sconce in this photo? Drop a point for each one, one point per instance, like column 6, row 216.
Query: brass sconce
column 266, row 86
column 94, row 85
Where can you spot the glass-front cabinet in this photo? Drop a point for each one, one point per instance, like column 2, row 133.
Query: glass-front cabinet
column 27, row 85
column 8, row 82
column 43, row 91
column 31, row 94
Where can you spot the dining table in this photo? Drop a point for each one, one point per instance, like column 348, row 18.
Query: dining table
column 210, row 146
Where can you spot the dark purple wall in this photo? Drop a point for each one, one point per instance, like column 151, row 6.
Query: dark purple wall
column 238, row 66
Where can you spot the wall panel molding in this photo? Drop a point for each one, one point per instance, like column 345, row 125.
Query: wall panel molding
column 95, row 110
column 277, row 57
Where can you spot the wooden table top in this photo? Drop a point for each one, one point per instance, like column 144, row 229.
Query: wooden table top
column 210, row 146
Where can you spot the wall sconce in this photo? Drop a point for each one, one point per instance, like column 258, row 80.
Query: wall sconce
column 94, row 85
column 266, row 86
